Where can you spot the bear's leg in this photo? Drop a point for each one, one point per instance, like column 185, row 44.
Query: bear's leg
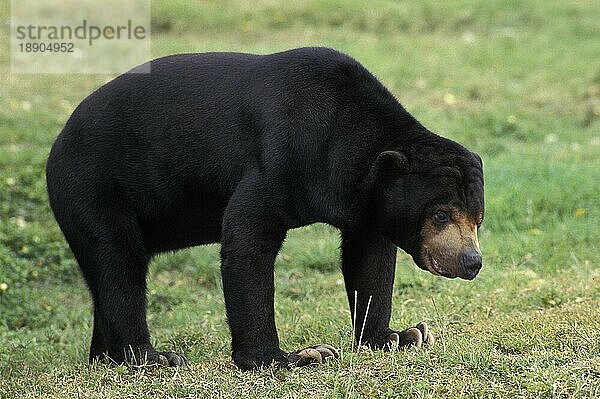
column 114, row 263
column 98, row 346
column 252, row 236
column 251, row 239
column 368, row 265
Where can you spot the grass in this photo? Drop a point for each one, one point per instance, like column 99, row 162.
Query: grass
column 519, row 82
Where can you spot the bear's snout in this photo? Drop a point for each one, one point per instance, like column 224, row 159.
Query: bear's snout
column 470, row 262
column 451, row 249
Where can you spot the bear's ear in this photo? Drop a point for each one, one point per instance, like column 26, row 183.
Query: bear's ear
column 389, row 165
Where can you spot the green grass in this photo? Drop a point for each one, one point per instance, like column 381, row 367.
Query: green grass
column 519, row 82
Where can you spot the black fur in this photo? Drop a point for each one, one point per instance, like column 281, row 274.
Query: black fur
column 239, row 148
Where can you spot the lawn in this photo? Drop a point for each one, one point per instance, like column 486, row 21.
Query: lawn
column 516, row 81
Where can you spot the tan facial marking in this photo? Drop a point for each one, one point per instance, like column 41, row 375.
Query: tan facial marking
column 459, row 233
column 446, row 243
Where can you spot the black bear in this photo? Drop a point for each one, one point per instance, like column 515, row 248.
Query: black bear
column 237, row 149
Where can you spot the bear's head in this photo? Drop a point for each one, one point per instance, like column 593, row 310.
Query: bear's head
column 429, row 201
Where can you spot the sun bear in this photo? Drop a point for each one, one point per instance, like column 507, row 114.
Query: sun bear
column 237, row 149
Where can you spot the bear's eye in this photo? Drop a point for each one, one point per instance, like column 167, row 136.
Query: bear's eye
column 441, row 217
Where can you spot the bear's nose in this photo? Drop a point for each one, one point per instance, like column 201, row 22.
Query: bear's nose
column 471, row 263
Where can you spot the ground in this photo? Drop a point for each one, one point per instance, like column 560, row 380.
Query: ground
column 518, row 82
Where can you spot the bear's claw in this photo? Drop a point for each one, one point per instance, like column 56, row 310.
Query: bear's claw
column 411, row 337
column 311, row 355
column 171, row 359
column 154, row 358
column 428, row 338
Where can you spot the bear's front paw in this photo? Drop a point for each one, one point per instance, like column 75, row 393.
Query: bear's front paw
column 148, row 357
column 311, row 355
column 411, row 337
column 171, row 359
